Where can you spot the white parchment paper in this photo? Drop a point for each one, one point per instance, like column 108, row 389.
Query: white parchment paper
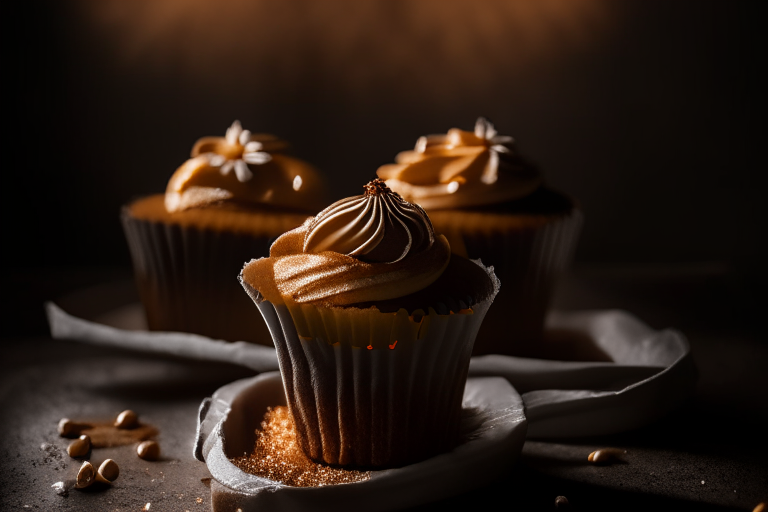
column 651, row 372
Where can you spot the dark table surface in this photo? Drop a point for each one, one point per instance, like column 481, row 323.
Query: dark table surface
column 710, row 454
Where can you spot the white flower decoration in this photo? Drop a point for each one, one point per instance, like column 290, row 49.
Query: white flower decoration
column 249, row 152
column 496, row 144
column 484, row 130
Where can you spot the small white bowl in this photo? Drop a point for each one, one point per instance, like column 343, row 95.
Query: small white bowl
column 493, row 429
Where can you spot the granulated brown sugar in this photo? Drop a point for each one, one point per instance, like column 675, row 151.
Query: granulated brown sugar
column 277, row 456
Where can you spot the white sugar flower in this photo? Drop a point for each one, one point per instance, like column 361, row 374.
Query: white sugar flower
column 484, row 129
column 238, row 151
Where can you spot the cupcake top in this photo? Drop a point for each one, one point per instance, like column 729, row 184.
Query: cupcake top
column 361, row 250
column 377, row 227
column 244, row 170
column 462, row 169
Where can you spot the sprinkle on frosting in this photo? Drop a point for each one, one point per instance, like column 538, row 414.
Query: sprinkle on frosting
column 378, row 226
column 376, row 187
column 461, row 168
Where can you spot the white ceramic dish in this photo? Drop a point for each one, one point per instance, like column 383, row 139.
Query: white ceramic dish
column 493, row 429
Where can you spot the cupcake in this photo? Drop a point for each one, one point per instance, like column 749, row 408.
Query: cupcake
column 373, row 319
column 492, row 204
column 221, row 207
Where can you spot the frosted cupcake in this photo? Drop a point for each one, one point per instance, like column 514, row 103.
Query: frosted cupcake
column 221, row 207
column 493, row 205
column 373, row 319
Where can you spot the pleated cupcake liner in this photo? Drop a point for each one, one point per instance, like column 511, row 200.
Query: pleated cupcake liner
column 188, row 279
column 371, row 389
column 528, row 262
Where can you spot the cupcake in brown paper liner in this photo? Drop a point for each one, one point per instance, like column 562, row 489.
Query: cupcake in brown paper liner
column 493, row 205
column 221, row 207
column 373, row 319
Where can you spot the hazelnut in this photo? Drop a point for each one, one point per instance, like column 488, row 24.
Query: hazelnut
column 148, row 450
column 606, row 456
column 127, row 419
column 69, row 428
column 561, row 502
column 85, row 476
column 79, row 447
column 108, row 472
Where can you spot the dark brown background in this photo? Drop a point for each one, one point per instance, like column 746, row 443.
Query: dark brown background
column 649, row 112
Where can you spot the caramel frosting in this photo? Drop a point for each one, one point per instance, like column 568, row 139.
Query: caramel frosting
column 323, row 262
column 244, row 169
column 461, row 169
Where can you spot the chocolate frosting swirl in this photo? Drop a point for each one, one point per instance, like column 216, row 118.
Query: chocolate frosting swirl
column 377, row 227
column 322, row 261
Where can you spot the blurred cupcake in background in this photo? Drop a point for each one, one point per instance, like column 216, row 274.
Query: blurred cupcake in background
column 221, row 207
column 492, row 204
column 373, row 319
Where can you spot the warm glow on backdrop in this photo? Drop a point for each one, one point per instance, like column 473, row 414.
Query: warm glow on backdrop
column 360, row 48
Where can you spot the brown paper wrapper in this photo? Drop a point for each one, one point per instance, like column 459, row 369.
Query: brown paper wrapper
column 528, row 255
column 187, row 279
column 371, row 389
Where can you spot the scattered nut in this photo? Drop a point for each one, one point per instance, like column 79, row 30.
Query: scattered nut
column 606, row 456
column 85, row 476
column 148, row 450
column 108, row 472
column 69, row 428
column 561, row 502
column 760, row 507
column 127, row 419
column 79, row 447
